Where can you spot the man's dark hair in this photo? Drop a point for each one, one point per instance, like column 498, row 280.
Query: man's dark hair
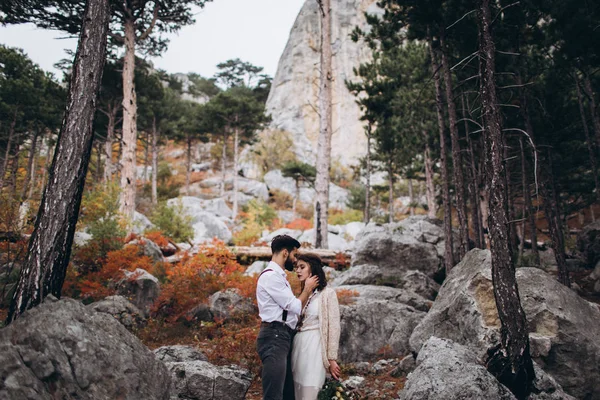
column 281, row 242
column 316, row 268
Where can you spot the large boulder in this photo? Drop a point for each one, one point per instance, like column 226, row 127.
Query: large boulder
column 141, row 288
column 148, row 248
column 207, row 217
column 588, row 242
column 372, row 326
column 229, row 303
column 367, row 293
column 122, row 310
column 563, row 341
column 208, row 227
column 448, row 371
column 63, row 350
column 412, row 244
column 203, row 381
column 275, row 180
column 141, row 223
column 179, row 353
column 192, row 205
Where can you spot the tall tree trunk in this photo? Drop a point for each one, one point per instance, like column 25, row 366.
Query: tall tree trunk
column 154, row 162
column 43, row 271
column 325, row 129
column 223, row 161
column 188, row 162
column 411, row 197
column 367, row 213
column 14, row 167
column 129, row 142
column 552, row 211
column 587, row 86
column 512, row 233
column 528, row 207
column 526, row 191
column 474, row 182
column 108, row 145
column 511, row 361
column 448, row 250
column 30, row 165
column 11, row 136
column 459, row 179
column 391, row 192
column 429, row 182
column 588, row 140
column 236, row 144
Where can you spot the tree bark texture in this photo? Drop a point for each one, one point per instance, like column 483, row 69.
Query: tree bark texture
column 223, row 165
column 325, row 128
column 236, row 145
column 108, row 145
column 459, row 179
column 188, row 162
column 367, row 213
column 129, row 142
column 587, row 86
column 391, row 192
column 528, row 207
column 30, row 165
column 511, row 361
column 448, row 251
column 411, row 196
column 429, row 182
column 11, row 135
column 474, row 182
column 154, row 162
column 43, row 271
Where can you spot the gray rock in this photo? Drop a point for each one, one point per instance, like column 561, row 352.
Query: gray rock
column 275, row 180
column 200, row 167
column 293, row 85
column 256, row 268
column 200, row 313
column 359, row 275
column 588, row 243
column 354, row 382
column 81, row 238
column 255, row 189
column 564, row 342
column 399, row 247
column 242, row 198
column 226, row 304
column 448, row 371
column 141, row 288
column 122, row 310
column 141, row 223
column 418, row 282
column 149, row 248
column 203, row 381
column 370, row 326
column 194, row 206
column 334, row 242
column 286, row 216
column 179, row 353
column 64, row 350
column 405, row 367
column 547, row 386
column 352, row 229
column 368, row 293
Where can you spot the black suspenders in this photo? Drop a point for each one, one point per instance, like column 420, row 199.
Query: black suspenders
column 285, row 313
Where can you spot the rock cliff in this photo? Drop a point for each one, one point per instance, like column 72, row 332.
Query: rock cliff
column 293, row 100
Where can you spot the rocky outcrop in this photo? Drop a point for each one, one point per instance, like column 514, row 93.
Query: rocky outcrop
column 148, row 248
column 367, row 293
column 448, row 371
column 141, row 288
column 122, row 310
column 229, row 303
column 207, row 217
column 192, row 205
column 275, row 180
column 335, row 241
column 194, row 378
column 417, row 243
column 373, row 326
column 141, row 223
column 64, row 350
column 563, row 341
column 293, row 98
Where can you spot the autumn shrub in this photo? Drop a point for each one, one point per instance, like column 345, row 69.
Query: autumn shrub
column 300, row 224
column 280, row 200
column 256, row 217
column 236, row 344
column 339, row 217
column 97, row 284
column 194, row 279
column 173, row 222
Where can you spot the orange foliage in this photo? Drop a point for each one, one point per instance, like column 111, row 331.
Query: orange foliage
column 100, row 283
column 300, row 224
column 340, row 262
column 158, row 238
column 194, row 279
column 346, row 296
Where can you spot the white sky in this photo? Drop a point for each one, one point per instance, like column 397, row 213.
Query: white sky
column 255, row 31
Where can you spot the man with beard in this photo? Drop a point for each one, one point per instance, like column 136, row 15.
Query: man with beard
column 279, row 309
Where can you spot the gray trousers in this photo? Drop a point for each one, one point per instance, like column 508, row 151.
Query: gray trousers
column 274, row 346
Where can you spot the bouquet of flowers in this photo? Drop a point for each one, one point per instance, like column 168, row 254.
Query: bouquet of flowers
column 334, row 390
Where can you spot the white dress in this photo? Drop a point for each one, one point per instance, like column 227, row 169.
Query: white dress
column 307, row 365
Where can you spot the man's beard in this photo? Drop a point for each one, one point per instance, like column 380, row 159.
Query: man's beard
column 289, row 264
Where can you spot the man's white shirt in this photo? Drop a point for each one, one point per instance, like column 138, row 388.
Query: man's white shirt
column 274, row 294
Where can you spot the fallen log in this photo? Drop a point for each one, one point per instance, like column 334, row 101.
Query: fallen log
column 246, row 255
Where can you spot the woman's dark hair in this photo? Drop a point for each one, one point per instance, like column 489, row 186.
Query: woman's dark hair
column 316, row 268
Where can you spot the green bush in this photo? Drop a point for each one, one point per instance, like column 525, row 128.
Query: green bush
column 173, row 222
column 345, row 217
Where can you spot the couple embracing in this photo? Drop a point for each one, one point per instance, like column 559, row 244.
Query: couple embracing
column 299, row 336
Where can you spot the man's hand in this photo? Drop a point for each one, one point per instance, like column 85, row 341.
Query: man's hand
column 335, row 370
column 311, row 284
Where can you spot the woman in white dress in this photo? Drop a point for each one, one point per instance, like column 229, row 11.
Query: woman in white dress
column 315, row 347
